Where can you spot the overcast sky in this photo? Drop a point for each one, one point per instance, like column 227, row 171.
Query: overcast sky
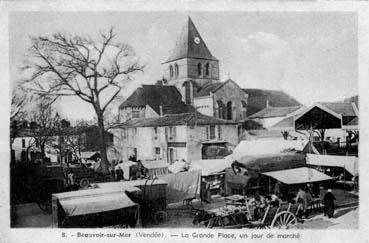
column 311, row 56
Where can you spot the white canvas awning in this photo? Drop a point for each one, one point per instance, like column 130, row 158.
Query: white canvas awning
column 298, row 175
column 210, row 166
column 350, row 163
column 155, row 167
column 96, row 203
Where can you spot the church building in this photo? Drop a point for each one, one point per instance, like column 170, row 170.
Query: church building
column 195, row 72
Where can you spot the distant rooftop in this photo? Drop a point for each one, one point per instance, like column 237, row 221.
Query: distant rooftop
column 155, row 96
column 258, row 99
column 270, row 112
column 176, row 120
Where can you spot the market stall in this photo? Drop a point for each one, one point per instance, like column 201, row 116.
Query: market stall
column 155, row 168
column 94, row 208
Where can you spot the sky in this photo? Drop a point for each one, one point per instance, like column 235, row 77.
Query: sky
column 310, row 55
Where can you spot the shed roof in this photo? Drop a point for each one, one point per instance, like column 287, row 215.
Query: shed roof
column 344, row 108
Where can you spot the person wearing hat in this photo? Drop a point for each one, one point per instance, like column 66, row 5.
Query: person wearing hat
column 328, row 202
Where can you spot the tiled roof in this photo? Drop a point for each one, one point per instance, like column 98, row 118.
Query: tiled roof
column 258, row 98
column 270, row 112
column 207, row 88
column 286, row 122
column 186, row 47
column 155, row 96
column 175, row 120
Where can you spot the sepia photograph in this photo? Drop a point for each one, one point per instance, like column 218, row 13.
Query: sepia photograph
column 216, row 120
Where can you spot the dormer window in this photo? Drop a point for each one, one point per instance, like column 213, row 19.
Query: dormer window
column 207, row 69
column 171, row 71
column 199, row 69
column 176, row 70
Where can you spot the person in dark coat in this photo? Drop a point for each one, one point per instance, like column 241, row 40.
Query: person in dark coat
column 119, row 174
column 328, row 202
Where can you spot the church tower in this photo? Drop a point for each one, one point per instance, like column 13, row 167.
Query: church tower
column 190, row 64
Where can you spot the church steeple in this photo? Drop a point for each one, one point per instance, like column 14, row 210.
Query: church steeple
column 190, row 64
column 190, row 45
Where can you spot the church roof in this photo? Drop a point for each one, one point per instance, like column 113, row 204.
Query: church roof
column 190, row 45
column 155, row 96
column 207, row 88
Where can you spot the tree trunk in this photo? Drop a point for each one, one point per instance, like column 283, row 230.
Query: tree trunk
column 103, row 154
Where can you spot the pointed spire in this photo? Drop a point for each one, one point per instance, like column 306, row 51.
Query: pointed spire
column 190, row 44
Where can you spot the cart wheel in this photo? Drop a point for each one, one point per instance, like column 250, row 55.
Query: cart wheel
column 284, row 220
column 84, row 183
column 160, row 217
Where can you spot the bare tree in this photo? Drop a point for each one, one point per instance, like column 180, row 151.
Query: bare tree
column 320, row 133
column 78, row 66
column 17, row 112
column 45, row 124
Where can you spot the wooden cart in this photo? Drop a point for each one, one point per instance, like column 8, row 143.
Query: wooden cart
column 94, row 208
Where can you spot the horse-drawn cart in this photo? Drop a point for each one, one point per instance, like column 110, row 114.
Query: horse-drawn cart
column 239, row 216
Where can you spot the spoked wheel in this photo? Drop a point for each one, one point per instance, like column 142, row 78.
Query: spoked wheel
column 84, row 183
column 284, row 220
column 160, row 217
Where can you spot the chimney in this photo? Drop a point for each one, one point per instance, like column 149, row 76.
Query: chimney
column 160, row 110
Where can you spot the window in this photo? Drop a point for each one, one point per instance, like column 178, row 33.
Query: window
column 207, row 69
column 219, row 132
column 155, row 133
column 199, row 69
column 171, row 71
column 157, row 151
column 171, row 155
column 229, row 110
column 244, row 109
column 23, row 143
column 172, row 133
column 207, row 133
column 212, row 132
column 221, row 109
column 176, row 70
column 135, row 114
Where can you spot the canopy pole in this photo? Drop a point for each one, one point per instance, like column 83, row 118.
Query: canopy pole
column 344, row 179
